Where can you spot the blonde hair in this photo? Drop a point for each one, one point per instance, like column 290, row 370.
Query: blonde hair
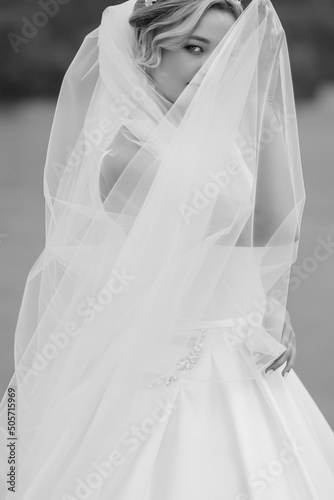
column 167, row 24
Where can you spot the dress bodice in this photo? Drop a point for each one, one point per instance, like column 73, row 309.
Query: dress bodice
column 238, row 288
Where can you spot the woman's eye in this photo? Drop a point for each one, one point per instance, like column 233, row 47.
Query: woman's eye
column 188, row 47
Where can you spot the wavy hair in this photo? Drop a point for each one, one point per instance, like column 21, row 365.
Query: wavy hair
column 167, row 24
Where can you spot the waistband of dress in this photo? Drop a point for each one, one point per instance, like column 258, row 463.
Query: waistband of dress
column 217, row 323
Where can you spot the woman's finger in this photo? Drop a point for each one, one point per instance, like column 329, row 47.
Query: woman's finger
column 289, row 341
column 288, row 356
column 290, row 363
column 278, row 362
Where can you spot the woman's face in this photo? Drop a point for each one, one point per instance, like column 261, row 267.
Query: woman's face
column 177, row 68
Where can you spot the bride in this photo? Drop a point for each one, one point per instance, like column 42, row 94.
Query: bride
column 153, row 318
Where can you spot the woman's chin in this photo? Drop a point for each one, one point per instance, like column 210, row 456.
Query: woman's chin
column 182, row 99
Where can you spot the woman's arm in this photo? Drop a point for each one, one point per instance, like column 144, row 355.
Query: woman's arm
column 274, row 198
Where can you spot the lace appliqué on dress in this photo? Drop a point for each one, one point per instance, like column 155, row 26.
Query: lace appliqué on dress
column 184, row 365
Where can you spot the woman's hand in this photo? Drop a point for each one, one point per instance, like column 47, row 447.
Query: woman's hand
column 289, row 356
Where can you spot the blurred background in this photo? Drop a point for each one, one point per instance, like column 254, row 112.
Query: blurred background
column 39, row 39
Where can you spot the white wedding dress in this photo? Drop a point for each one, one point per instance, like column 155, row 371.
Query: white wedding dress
column 220, row 433
column 142, row 334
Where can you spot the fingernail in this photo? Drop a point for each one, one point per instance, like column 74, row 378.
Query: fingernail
column 268, row 373
column 286, row 374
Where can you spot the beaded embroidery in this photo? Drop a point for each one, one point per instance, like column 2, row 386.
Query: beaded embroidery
column 185, row 364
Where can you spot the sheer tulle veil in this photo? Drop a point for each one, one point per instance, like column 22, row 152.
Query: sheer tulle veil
column 107, row 306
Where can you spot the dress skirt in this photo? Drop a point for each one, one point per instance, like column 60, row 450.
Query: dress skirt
column 216, row 432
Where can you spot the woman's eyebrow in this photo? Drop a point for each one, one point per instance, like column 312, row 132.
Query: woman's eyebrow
column 200, row 38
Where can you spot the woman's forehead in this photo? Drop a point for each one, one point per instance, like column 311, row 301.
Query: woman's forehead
column 213, row 26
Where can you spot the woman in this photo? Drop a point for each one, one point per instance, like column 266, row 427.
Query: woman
column 174, row 196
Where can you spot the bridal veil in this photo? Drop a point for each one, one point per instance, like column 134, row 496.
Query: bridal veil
column 107, row 306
